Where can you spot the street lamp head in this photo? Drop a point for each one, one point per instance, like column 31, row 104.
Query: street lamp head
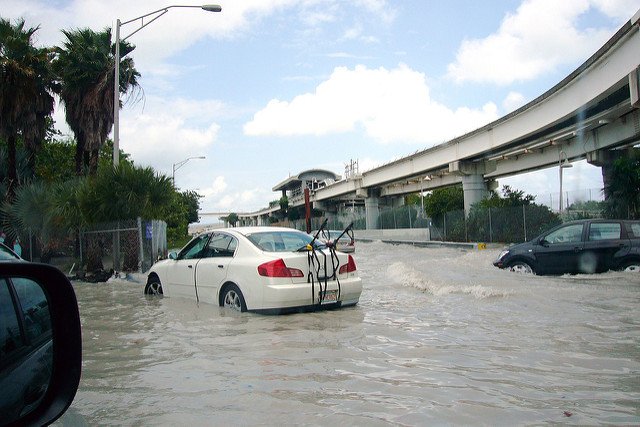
column 212, row 8
column 565, row 164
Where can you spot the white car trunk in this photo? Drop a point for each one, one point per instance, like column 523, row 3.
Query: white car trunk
column 322, row 259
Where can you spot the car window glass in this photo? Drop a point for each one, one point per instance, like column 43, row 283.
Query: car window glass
column 220, row 245
column 35, row 309
column 232, row 246
column 11, row 340
column 194, row 248
column 605, row 231
column 634, row 229
column 567, row 234
column 280, row 241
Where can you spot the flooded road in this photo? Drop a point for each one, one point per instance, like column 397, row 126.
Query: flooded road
column 440, row 336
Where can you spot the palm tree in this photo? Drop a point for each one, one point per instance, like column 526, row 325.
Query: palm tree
column 124, row 193
column 85, row 67
column 46, row 211
column 26, row 85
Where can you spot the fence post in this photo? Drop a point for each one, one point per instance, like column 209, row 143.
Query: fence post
column 115, row 236
column 395, row 223
column 444, row 227
column 466, row 230
column 80, row 234
column 490, row 228
column 524, row 222
column 141, row 243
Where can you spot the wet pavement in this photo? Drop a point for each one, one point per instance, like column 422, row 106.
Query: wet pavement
column 440, row 336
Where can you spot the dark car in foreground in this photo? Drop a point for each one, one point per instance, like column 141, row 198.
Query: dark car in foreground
column 40, row 343
column 584, row 246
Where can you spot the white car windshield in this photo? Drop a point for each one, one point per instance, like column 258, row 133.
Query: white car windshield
column 281, row 241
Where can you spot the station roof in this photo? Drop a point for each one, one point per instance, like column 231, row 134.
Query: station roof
column 295, row 181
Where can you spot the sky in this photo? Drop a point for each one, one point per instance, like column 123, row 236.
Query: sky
column 268, row 88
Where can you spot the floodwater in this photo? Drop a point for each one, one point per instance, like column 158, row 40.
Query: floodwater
column 440, row 336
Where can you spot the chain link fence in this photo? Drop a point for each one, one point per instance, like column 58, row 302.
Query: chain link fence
column 132, row 245
column 496, row 225
column 408, row 216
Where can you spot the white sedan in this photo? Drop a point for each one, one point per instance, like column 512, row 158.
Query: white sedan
column 265, row 269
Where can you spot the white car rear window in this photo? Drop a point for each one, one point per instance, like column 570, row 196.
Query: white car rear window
column 280, row 241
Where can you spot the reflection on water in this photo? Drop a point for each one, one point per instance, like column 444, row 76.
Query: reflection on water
column 440, row 337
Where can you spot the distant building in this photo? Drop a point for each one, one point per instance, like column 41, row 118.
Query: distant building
column 313, row 179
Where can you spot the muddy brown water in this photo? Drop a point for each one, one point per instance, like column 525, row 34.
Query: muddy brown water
column 440, row 336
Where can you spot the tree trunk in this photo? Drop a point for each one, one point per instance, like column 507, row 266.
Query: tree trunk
column 12, row 173
column 94, row 253
column 131, row 251
column 79, row 159
column 93, row 162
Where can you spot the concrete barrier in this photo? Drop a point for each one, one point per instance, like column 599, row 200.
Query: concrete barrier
column 409, row 236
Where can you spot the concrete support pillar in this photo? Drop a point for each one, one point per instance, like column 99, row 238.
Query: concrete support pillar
column 605, row 159
column 372, row 212
column 473, row 184
column 474, row 190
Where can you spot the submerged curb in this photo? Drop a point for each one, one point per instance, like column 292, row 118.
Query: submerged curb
column 430, row 243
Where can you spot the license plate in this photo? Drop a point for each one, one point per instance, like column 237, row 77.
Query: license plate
column 329, row 297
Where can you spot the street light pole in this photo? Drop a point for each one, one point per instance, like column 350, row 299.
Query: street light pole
column 562, row 165
column 116, row 96
column 178, row 165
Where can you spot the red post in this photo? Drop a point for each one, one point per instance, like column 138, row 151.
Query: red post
column 307, row 210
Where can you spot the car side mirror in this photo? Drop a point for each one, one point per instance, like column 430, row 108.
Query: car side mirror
column 543, row 242
column 173, row 255
column 40, row 343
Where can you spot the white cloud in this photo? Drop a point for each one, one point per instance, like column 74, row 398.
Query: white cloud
column 169, row 131
column 356, row 33
column 513, row 101
column 238, row 201
column 581, row 182
column 540, row 36
column 163, row 38
column 367, row 163
column 391, row 106
column 218, row 186
column 619, row 9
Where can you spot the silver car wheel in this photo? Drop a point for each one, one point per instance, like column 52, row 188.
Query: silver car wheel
column 232, row 300
column 154, row 287
column 633, row 268
column 521, row 267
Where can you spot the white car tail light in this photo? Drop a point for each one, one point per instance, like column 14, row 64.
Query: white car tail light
column 278, row 268
column 349, row 267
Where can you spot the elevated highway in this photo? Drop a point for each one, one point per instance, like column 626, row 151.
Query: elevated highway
column 591, row 114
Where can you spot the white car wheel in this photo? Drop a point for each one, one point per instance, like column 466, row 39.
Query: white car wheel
column 632, row 267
